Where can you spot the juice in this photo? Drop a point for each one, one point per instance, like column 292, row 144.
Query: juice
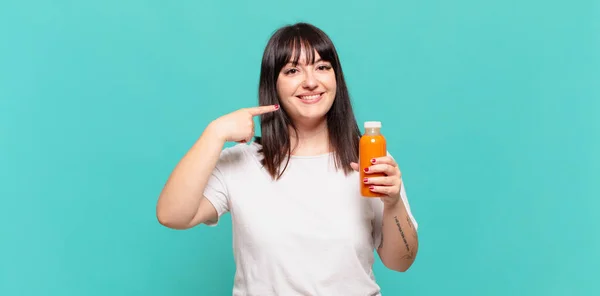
column 372, row 145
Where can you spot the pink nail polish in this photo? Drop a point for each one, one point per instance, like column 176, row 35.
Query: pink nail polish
column 373, row 160
column 366, row 180
column 366, row 170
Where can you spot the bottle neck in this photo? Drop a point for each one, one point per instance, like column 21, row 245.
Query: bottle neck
column 372, row 131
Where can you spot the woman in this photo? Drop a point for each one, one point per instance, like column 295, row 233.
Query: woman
column 300, row 225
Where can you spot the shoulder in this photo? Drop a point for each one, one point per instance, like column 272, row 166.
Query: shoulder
column 239, row 154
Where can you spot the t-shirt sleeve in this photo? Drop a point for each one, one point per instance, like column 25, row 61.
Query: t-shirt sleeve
column 216, row 190
column 378, row 209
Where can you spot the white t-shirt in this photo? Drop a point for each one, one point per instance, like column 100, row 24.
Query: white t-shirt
column 310, row 233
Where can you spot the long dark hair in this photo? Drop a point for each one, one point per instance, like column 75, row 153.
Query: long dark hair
column 344, row 134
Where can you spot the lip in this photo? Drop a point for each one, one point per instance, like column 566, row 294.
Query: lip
column 312, row 101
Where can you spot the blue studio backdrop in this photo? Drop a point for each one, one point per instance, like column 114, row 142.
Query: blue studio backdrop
column 490, row 107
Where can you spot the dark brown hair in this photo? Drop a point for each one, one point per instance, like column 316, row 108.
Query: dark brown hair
column 343, row 130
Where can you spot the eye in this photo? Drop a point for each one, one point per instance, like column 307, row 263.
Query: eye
column 291, row 71
column 324, row 67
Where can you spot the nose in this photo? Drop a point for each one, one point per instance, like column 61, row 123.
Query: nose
column 310, row 81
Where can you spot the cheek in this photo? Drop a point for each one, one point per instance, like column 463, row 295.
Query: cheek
column 285, row 87
column 330, row 82
column 332, row 87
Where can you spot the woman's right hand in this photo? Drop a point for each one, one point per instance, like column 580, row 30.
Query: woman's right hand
column 238, row 126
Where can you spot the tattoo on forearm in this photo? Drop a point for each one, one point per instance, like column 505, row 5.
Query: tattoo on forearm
column 409, row 256
column 401, row 233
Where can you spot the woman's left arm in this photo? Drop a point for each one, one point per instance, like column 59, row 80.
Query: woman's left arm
column 399, row 239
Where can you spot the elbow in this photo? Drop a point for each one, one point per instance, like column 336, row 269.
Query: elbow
column 170, row 220
column 164, row 218
column 401, row 263
column 400, row 266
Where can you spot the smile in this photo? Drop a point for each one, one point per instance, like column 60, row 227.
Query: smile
column 311, row 99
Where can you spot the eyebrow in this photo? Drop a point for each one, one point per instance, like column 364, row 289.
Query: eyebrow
column 316, row 61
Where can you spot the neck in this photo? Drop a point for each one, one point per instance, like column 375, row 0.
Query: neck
column 310, row 139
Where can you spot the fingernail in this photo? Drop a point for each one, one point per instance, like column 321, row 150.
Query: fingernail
column 366, row 170
column 371, row 187
column 365, row 180
column 276, row 106
column 373, row 160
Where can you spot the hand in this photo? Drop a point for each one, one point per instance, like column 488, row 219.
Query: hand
column 238, row 126
column 389, row 185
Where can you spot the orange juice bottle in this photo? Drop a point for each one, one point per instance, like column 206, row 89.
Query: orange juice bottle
column 372, row 145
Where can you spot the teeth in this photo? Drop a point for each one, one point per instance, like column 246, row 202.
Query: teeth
column 308, row 98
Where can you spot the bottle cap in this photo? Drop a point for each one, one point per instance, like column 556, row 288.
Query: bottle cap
column 372, row 124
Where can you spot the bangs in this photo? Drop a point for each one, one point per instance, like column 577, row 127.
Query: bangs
column 306, row 42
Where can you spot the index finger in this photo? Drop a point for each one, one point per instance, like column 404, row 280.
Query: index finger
column 262, row 109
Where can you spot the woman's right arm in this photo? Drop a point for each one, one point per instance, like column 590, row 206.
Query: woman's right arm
column 181, row 203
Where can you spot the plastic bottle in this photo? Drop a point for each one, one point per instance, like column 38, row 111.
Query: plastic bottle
column 372, row 145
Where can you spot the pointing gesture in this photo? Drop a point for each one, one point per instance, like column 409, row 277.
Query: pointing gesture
column 255, row 111
column 238, row 126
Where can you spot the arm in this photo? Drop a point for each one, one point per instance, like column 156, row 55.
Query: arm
column 399, row 239
column 181, row 204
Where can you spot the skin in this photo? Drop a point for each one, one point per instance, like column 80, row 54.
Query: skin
column 179, row 207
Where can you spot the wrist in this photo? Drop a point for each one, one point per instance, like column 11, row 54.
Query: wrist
column 213, row 132
column 392, row 203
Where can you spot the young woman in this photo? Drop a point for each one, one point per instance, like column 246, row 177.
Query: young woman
column 300, row 225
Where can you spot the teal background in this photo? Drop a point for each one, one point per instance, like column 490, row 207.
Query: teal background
column 491, row 108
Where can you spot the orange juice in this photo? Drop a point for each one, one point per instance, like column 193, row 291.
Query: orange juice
column 372, row 145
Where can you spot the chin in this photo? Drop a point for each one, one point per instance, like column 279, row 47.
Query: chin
column 310, row 116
